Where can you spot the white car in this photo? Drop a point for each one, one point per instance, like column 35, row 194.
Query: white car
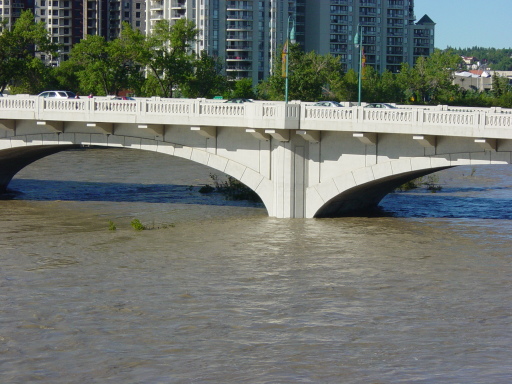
column 58, row 94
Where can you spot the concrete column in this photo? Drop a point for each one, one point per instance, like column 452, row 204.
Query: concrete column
column 288, row 176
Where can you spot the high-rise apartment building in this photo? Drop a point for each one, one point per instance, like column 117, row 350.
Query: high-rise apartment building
column 248, row 34
column 10, row 11
column 389, row 33
column 69, row 21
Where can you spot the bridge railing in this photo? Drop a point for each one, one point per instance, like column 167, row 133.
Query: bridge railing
column 259, row 114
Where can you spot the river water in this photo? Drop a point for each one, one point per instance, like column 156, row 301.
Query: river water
column 217, row 292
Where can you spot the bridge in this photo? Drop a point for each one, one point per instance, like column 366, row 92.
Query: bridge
column 303, row 161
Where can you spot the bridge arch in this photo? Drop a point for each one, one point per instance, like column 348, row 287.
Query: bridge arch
column 20, row 155
column 362, row 189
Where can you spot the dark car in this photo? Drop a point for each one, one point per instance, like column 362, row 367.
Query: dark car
column 380, row 105
column 238, row 100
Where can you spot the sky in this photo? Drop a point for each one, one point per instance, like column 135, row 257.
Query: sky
column 469, row 23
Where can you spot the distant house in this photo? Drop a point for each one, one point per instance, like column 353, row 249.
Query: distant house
column 469, row 60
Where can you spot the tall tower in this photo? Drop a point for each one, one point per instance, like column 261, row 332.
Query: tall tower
column 388, row 32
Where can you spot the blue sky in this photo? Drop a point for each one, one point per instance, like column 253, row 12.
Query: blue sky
column 466, row 23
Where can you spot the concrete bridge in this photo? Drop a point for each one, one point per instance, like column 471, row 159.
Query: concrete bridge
column 302, row 160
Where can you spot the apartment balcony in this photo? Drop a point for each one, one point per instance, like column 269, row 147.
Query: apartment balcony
column 178, row 14
column 247, row 36
column 230, row 16
column 395, row 50
column 239, row 46
column 237, row 5
column 394, row 59
column 396, row 3
column 156, row 6
column 238, row 57
column 158, row 15
column 239, row 26
column 421, row 52
column 421, row 43
column 178, row 4
column 239, row 68
column 339, row 39
column 369, row 49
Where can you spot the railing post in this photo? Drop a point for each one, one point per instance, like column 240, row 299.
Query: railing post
column 142, row 107
column 196, row 107
column 39, row 106
column 479, row 119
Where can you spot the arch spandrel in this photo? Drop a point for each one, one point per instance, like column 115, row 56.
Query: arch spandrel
column 19, row 155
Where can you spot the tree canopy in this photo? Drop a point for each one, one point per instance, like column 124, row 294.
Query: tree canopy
column 18, row 47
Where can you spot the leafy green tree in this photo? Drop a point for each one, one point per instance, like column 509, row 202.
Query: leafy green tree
column 243, row 88
column 207, row 79
column 65, row 76
column 346, row 87
column 18, row 48
column 371, row 85
column 168, row 54
column 500, row 85
column 309, row 76
column 390, row 89
column 105, row 68
column 431, row 78
column 35, row 79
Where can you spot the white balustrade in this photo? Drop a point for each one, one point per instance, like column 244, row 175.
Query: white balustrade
column 449, row 118
column 255, row 115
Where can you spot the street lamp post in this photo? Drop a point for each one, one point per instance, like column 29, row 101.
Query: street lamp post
column 290, row 38
column 358, row 42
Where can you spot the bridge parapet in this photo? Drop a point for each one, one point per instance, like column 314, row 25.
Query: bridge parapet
column 434, row 120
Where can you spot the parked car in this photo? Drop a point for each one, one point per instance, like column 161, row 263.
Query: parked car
column 238, row 100
column 123, row 98
column 380, row 105
column 327, row 104
column 58, row 94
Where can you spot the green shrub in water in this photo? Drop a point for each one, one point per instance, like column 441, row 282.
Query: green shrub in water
column 137, row 225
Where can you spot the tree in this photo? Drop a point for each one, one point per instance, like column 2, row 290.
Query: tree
column 18, row 48
column 207, row 79
column 309, row 76
column 168, row 54
column 243, row 88
column 431, row 78
column 105, row 68
column 346, row 88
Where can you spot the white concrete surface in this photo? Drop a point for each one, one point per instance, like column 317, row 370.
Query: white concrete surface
column 302, row 160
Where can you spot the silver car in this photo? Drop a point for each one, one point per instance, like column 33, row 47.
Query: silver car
column 327, row 104
column 380, row 105
column 58, row 94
